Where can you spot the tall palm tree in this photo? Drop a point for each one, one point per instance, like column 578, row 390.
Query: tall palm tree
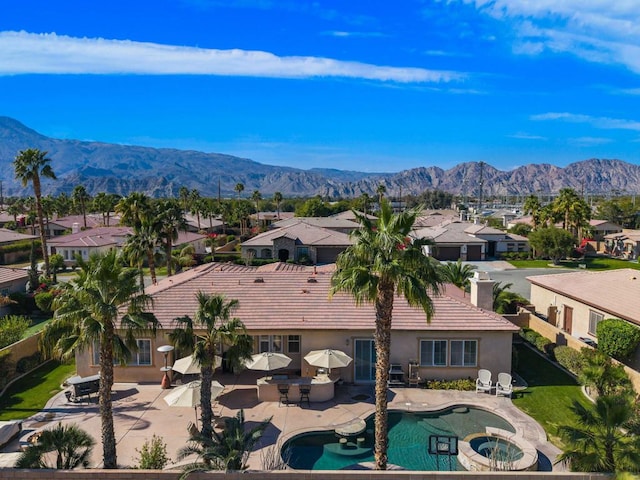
column 381, row 190
column 102, row 308
column 571, row 209
column 30, row 165
column 134, row 209
column 143, row 244
column 239, row 188
column 597, row 442
column 196, row 204
column 183, row 193
column 170, row 218
column 227, row 450
column 381, row 263
column 69, row 445
column 211, row 328
column 256, row 196
column 81, row 198
column 277, row 197
column 532, row 207
column 62, row 205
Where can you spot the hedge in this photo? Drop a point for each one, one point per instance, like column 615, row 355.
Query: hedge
column 569, row 358
column 617, row 338
column 541, row 342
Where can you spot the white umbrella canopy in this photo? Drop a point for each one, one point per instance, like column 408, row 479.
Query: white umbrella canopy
column 189, row 395
column 268, row 361
column 328, row 358
column 189, row 365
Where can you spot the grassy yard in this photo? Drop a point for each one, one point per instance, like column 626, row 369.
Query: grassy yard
column 35, row 328
column 550, row 393
column 594, row 263
column 30, row 394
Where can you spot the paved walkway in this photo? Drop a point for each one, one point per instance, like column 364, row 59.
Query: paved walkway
column 140, row 412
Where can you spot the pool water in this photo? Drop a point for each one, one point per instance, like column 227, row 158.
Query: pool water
column 496, row 448
column 408, row 441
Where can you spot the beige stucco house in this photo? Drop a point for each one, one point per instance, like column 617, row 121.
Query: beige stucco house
column 577, row 301
column 286, row 308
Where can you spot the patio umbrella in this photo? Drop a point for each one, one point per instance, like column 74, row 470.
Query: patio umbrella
column 189, row 395
column 268, row 361
column 328, row 358
column 189, row 365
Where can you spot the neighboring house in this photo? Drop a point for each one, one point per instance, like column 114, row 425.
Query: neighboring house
column 624, row 244
column 498, row 241
column 87, row 242
column 297, row 241
column 602, row 228
column 435, row 218
column 74, row 223
column 288, row 310
column 13, row 280
column 330, row 223
column 451, row 242
column 350, row 215
column 210, row 225
column 266, row 219
column 9, row 237
column 577, row 301
column 102, row 239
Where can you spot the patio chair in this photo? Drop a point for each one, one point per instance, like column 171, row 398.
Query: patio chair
column 504, row 385
column 283, row 390
column 304, row 394
column 483, row 382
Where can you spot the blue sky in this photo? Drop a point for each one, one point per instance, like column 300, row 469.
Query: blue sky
column 355, row 85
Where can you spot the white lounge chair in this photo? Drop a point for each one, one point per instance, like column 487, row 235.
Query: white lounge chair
column 504, row 385
column 483, row 382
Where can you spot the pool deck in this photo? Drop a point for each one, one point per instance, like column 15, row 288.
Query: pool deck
column 140, row 412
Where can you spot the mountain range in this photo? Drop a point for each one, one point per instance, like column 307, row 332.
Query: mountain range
column 160, row 172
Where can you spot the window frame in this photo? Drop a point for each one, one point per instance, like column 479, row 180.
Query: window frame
column 433, row 341
column 464, row 362
column 592, row 314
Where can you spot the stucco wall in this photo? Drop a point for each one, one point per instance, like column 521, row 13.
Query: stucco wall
column 494, row 353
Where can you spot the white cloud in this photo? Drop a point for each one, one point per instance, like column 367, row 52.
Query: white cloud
column 28, row 53
column 526, row 136
column 589, row 141
column 601, row 31
column 341, row 33
column 605, row 123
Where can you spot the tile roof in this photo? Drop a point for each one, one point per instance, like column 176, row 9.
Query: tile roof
column 11, row 274
column 321, row 222
column 305, row 233
column 8, row 236
column 288, row 300
column 93, row 220
column 450, row 233
column 615, row 291
column 93, row 237
column 349, row 215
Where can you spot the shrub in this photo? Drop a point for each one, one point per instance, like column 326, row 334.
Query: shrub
column 25, row 304
column 569, row 358
column 459, row 384
column 12, row 328
column 153, row 455
column 543, row 343
column 617, row 338
column 26, row 364
column 7, row 369
column 44, row 300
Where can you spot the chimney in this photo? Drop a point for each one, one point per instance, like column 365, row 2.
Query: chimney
column 482, row 290
column 75, row 227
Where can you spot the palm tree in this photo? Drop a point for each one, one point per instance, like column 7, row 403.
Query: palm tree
column 571, row 209
column 458, row 274
column 71, row 446
column 62, row 205
column 256, row 196
column 80, row 198
column 143, row 243
column 105, row 203
column 171, row 221
column 227, row 450
column 239, row 188
column 104, row 296
column 134, row 209
column 532, row 207
column 212, row 326
column 597, row 442
column 183, row 193
column 599, row 371
column 196, row 204
column 29, row 166
column 277, row 197
column 381, row 190
column 381, row 263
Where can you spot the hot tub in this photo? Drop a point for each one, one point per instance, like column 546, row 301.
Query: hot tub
column 497, row 449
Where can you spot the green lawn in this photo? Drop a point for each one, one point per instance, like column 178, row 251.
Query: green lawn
column 30, row 394
column 550, row 393
column 35, row 328
column 595, row 263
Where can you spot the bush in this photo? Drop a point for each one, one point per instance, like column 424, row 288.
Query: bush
column 44, row 300
column 7, row 369
column 25, row 304
column 543, row 344
column 569, row 358
column 12, row 328
column 153, row 455
column 26, row 364
column 460, row 384
column 617, row 338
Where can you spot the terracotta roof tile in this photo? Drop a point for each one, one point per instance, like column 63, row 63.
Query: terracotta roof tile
column 288, row 300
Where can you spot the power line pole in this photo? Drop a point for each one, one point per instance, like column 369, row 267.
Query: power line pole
column 480, row 189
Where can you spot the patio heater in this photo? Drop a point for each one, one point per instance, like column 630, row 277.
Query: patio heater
column 166, row 381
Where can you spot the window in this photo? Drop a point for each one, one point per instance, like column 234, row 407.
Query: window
column 264, row 344
column 266, row 253
column 276, row 343
column 141, row 357
column 464, row 353
column 594, row 319
column 433, row 353
column 303, row 252
column 293, row 343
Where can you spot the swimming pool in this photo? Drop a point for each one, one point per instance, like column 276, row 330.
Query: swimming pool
column 408, row 440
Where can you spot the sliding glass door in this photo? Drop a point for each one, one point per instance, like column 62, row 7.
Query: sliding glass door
column 365, row 361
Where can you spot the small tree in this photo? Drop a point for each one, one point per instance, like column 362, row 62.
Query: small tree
column 153, row 455
column 599, row 371
column 60, row 447
column 617, row 338
column 552, row 242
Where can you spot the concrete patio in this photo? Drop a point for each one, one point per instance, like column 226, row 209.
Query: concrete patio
column 140, row 412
